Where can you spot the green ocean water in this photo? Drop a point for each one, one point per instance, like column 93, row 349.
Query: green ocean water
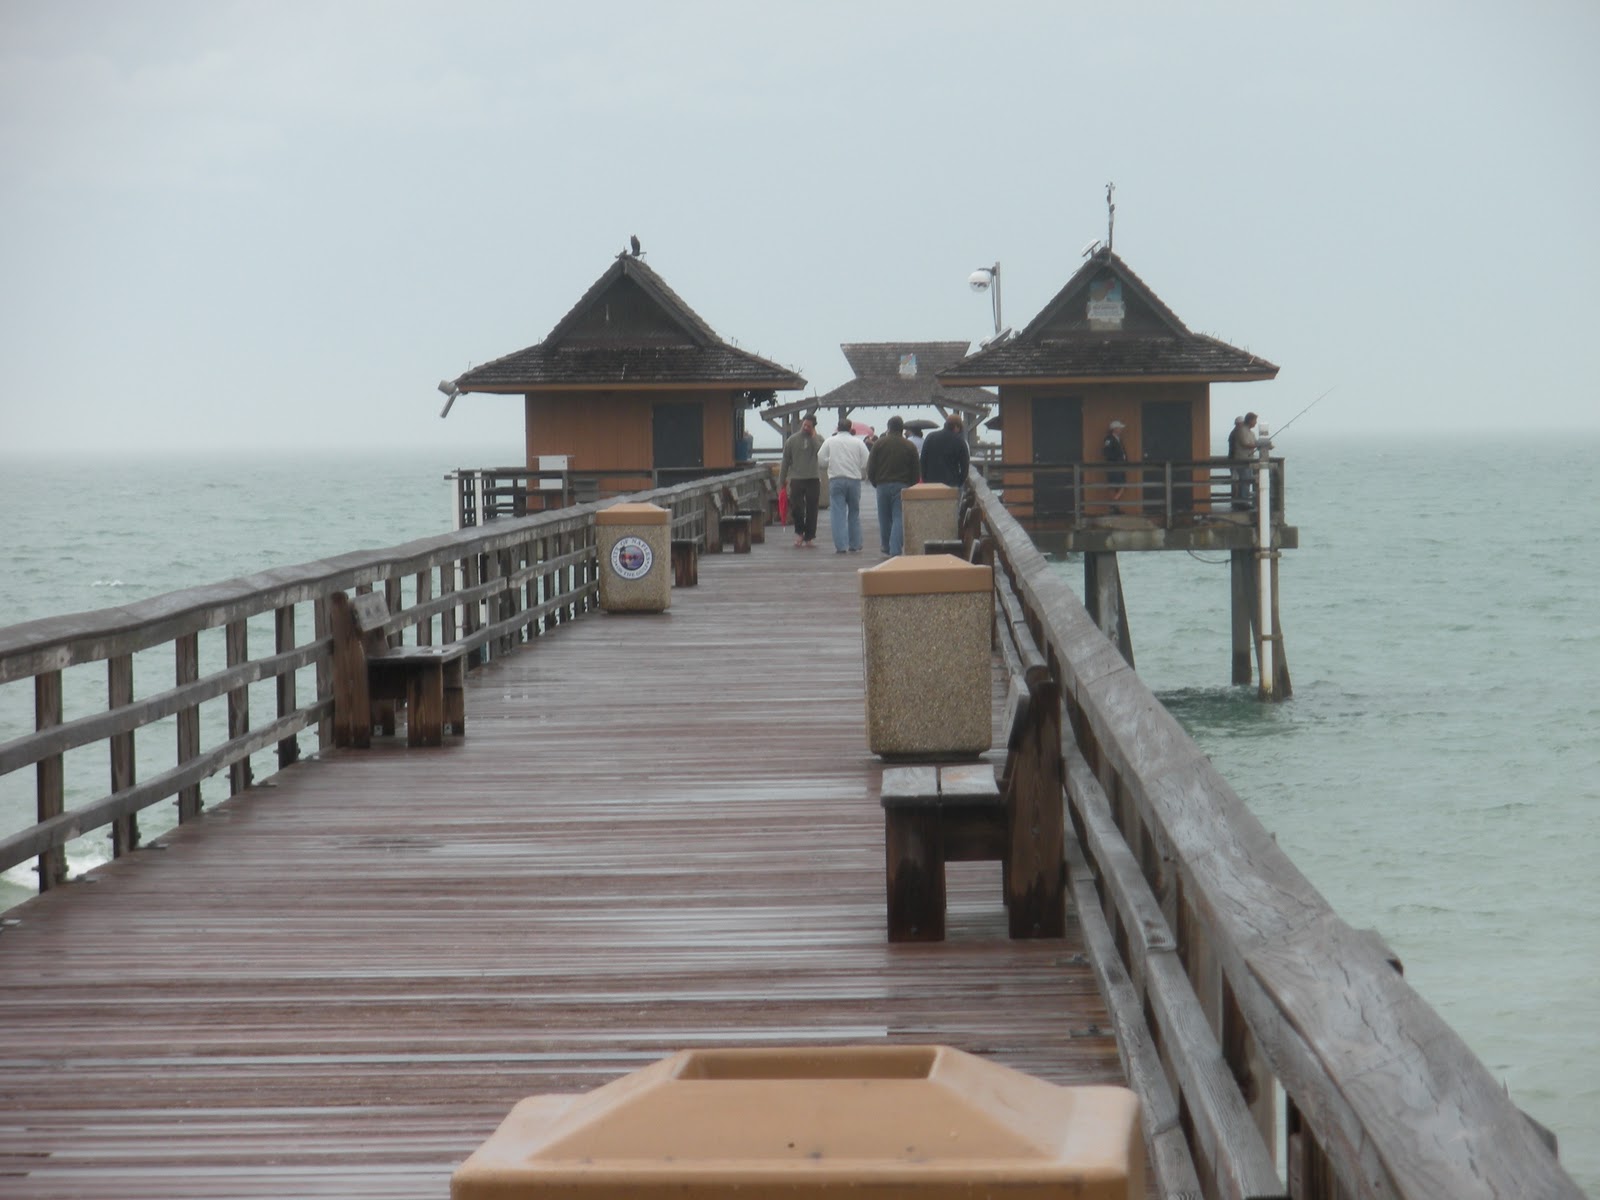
column 1436, row 775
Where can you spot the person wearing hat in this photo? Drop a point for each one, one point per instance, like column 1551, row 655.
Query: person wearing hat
column 844, row 458
column 892, row 467
column 1113, row 452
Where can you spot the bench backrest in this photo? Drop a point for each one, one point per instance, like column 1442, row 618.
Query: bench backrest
column 369, row 613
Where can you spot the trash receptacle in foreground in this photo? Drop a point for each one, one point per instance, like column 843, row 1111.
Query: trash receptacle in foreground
column 634, row 542
column 869, row 1122
column 925, row 627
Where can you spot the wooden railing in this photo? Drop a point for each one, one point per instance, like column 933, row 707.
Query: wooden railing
column 1228, row 975
column 489, row 587
column 486, row 494
column 1165, row 492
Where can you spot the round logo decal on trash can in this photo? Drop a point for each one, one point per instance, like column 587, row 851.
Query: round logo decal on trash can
column 631, row 558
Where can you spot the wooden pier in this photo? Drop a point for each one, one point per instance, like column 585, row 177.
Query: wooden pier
column 661, row 831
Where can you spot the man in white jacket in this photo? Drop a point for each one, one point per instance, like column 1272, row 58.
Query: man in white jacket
column 844, row 457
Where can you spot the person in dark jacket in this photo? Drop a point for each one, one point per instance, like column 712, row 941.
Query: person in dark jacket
column 891, row 468
column 945, row 455
column 1113, row 452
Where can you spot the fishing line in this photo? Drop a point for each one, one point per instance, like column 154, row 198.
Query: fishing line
column 1302, row 413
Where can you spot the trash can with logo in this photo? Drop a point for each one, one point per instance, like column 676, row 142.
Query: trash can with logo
column 635, row 550
column 925, row 627
column 848, row 1121
column 929, row 511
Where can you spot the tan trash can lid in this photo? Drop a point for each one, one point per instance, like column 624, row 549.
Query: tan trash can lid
column 880, row 1120
column 930, row 491
column 925, row 575
column 632, row 514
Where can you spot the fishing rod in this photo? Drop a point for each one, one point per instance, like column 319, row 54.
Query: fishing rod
column 1302, row 413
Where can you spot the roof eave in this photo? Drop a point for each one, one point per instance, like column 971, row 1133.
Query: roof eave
column 1136, row 377
column 633, row 385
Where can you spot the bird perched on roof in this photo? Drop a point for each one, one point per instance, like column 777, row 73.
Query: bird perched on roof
column 633, row 241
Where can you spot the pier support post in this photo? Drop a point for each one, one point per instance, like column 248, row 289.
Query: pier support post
column 1102, row 592
column 1243, row 609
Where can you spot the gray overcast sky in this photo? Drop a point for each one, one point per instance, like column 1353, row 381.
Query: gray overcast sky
column 265, row 223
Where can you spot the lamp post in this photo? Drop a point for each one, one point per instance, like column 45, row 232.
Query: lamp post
column 982, row 280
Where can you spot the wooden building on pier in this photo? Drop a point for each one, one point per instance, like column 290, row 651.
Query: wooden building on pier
column 1106, row 348
column 632, row 389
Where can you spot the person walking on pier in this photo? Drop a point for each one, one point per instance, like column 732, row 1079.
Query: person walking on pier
column 844, row 458
column 892, row 467
column 945, row 456
column 801, row 474
column 1113, row 451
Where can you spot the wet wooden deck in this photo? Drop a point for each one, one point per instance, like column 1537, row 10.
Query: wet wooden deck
column 661, row 832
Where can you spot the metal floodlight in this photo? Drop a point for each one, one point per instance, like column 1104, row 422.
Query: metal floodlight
column 449, row 388
column 980, row 280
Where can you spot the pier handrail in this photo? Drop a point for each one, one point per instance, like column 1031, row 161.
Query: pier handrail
column 1215, row 949
column 488, row 586
column 1170, row 492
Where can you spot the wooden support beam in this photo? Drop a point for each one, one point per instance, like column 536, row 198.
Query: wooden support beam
column 1102, row 590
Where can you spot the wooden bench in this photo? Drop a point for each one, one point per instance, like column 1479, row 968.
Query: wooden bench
column 735, row 531
column 934, row 814
column 368, row 672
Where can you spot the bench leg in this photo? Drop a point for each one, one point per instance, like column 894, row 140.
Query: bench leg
column 425, row 706
column 455, row 697
column 914, row 854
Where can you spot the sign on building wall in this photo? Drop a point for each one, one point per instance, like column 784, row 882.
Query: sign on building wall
column 1106, row 309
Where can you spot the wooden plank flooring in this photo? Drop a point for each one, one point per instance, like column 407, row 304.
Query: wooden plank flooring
column 661, row 832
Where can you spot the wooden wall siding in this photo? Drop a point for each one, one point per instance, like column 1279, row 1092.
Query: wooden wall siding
column 660, row 832
column 1102, row 403
column 605, row 431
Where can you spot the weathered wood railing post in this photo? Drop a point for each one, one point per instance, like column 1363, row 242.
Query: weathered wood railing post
column 322, row 625
column 283, row 643
column 470, row 622
column 424, row 627
column 186, row 670
column 119, row 694
column 50, row 775
column 238, row 653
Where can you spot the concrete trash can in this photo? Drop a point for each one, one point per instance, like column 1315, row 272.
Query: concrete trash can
column 925, row 628
column 868, row 1122
column 635, row 549
column 929, row 511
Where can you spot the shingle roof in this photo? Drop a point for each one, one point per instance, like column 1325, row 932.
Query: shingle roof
column 880, row 380
column 629, row 329
column 1063, row 343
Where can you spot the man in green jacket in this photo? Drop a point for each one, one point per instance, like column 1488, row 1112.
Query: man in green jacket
column 801, row 474
column 892, row 467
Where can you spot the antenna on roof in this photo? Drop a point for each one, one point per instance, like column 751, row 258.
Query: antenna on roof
column 1089, row 248
column 1111, row 217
